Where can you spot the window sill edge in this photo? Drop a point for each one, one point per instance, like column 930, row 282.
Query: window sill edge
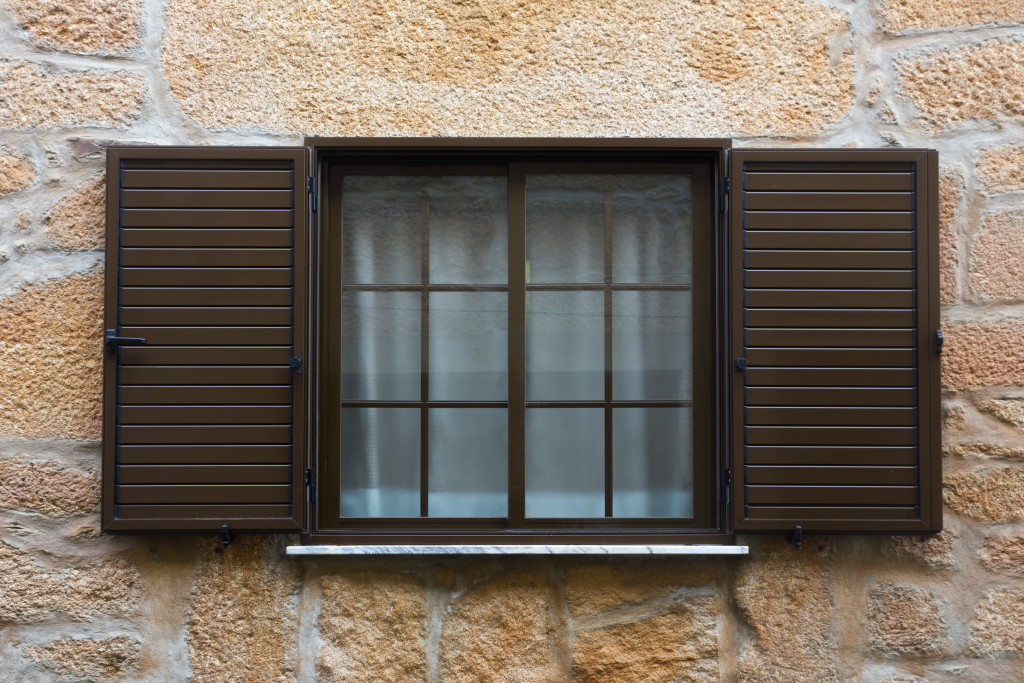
column 509, row 549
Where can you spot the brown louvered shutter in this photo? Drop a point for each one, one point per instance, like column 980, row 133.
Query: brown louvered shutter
column 204, row 422
column 834, row 299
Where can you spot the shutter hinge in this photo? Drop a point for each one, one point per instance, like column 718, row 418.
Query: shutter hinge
column 296, row 365
column 724, row 195
column 739, row 364
column 311, row 191
column 938, row 342
column 309, row 485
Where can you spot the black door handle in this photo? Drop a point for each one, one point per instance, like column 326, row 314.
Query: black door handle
column 113, row 341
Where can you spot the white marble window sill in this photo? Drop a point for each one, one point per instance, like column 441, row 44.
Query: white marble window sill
column 517, row 550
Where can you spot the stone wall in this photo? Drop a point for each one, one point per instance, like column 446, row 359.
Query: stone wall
column 78, row 75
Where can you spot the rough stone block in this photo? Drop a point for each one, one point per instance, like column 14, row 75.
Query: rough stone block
column 596, row 588
column 770, row 67
column 52, row 355
column 997, row 258
column 1004, row 554
column 43, row 97
column 978, row 354
column 1001, row 169
column 953, row 418
column 899, row 16
column 985, row 449
column 101, row 659
column 951, row 199
column 15, row 172
column 373, row 626
column 1009, row 410
column 905, row 619
column 680, row 644
column 82, row 26
column 47, row 487
column 935, row 550
column 953, row 86
column 995, row 494
column 77, row 221
column 998, row 624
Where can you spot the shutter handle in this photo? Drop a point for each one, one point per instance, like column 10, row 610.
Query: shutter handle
column 113, row 341
column 938, row 342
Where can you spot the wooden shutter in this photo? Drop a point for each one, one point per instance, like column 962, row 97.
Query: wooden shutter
column 834, row 300
column 204, row 423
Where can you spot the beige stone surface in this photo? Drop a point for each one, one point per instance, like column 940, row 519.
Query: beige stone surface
column 1001, row 169
column 601, row 587
column 1009, row 410
column 510, row 67
column 49, row 488
column 785, row 596
column 373, row 626
column 994, row 494
column 46, row 97
column 935, row 550
column 51, row 350
column 84, row 26
column 905, row 619
column 15, row 172
column 984, row 448
column 951, row 196
column 679, row 645
column 953, row 418
column 997, row 258
column 242, row 624
column 978, row 354
column 77, row 221
column 31, row 591
column 101, row 659
column 998, row 624
column 904, row 15
column 1004, row 554
column 951, row 86
column 498, row 631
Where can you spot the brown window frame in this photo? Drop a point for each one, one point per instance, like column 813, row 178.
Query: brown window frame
column 703, row 160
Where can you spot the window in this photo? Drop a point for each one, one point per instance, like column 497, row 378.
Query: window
column 442, row 341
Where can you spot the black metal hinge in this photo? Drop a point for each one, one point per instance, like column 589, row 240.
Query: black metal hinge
column 723, row 197
column 938, row 342
column 225, row 536
column 311, row 191
column 113, row 341
column 309, row 485
column 726, row 484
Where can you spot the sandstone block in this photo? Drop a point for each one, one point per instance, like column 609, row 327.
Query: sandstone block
column 597, row 588
column 498, row 631
column 899, row 16
column 934, row 551
column 374, row 628
column 101, row 659
column 984, row 448
column 979, row 354
column 997, row 259
column 77, row 221
column 47, row 487
column 905, row 619
column 950, row 87
column 1009, row 410
column 785, row 596
column 15, row 172
column 242, row 624
column 951, row 198
column 770, row 67
column 998, row 624
column 42, row 97
column 83, row 26
column 52, row 355
column 995, row 494
column 1004, row 554
column 1001, row 169
column 679, row 645
column 954, row 418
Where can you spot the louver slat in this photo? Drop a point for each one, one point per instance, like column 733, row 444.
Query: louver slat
column 834, row 312
column 204, row 423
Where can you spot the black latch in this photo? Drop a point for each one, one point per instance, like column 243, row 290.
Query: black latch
column 113, row 341
column 938, row 342
column 309, row 485
column 225, row 536
column 311, row 191
column 796, row 537
column 296, row 365
column 723, row 196
column 740, row 364
column 726, row 484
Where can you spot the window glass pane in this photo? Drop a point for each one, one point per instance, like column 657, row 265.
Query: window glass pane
column 651, row 346
column 382, row 218
column 565, row 462
column 468, row 456
column 651, row 229
column 380, row 462
column 565, row 346
column 652, row 462
column 564, row 228
column 380, row 346
column 468, row 346
column 468, row 233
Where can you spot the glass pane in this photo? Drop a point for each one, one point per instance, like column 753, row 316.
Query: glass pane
column 380, row 462
column 652, row 462
column 565, row 346
column 468, row 219
column 564, row 228
column 468, row 346
column 382, row 219
column 380, row 346
column 565, row 462
column 651, row 346
column 651, row 229
column 468, row 462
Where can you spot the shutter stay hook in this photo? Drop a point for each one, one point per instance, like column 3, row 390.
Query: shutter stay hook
column 225, row 536
column 796, row 536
